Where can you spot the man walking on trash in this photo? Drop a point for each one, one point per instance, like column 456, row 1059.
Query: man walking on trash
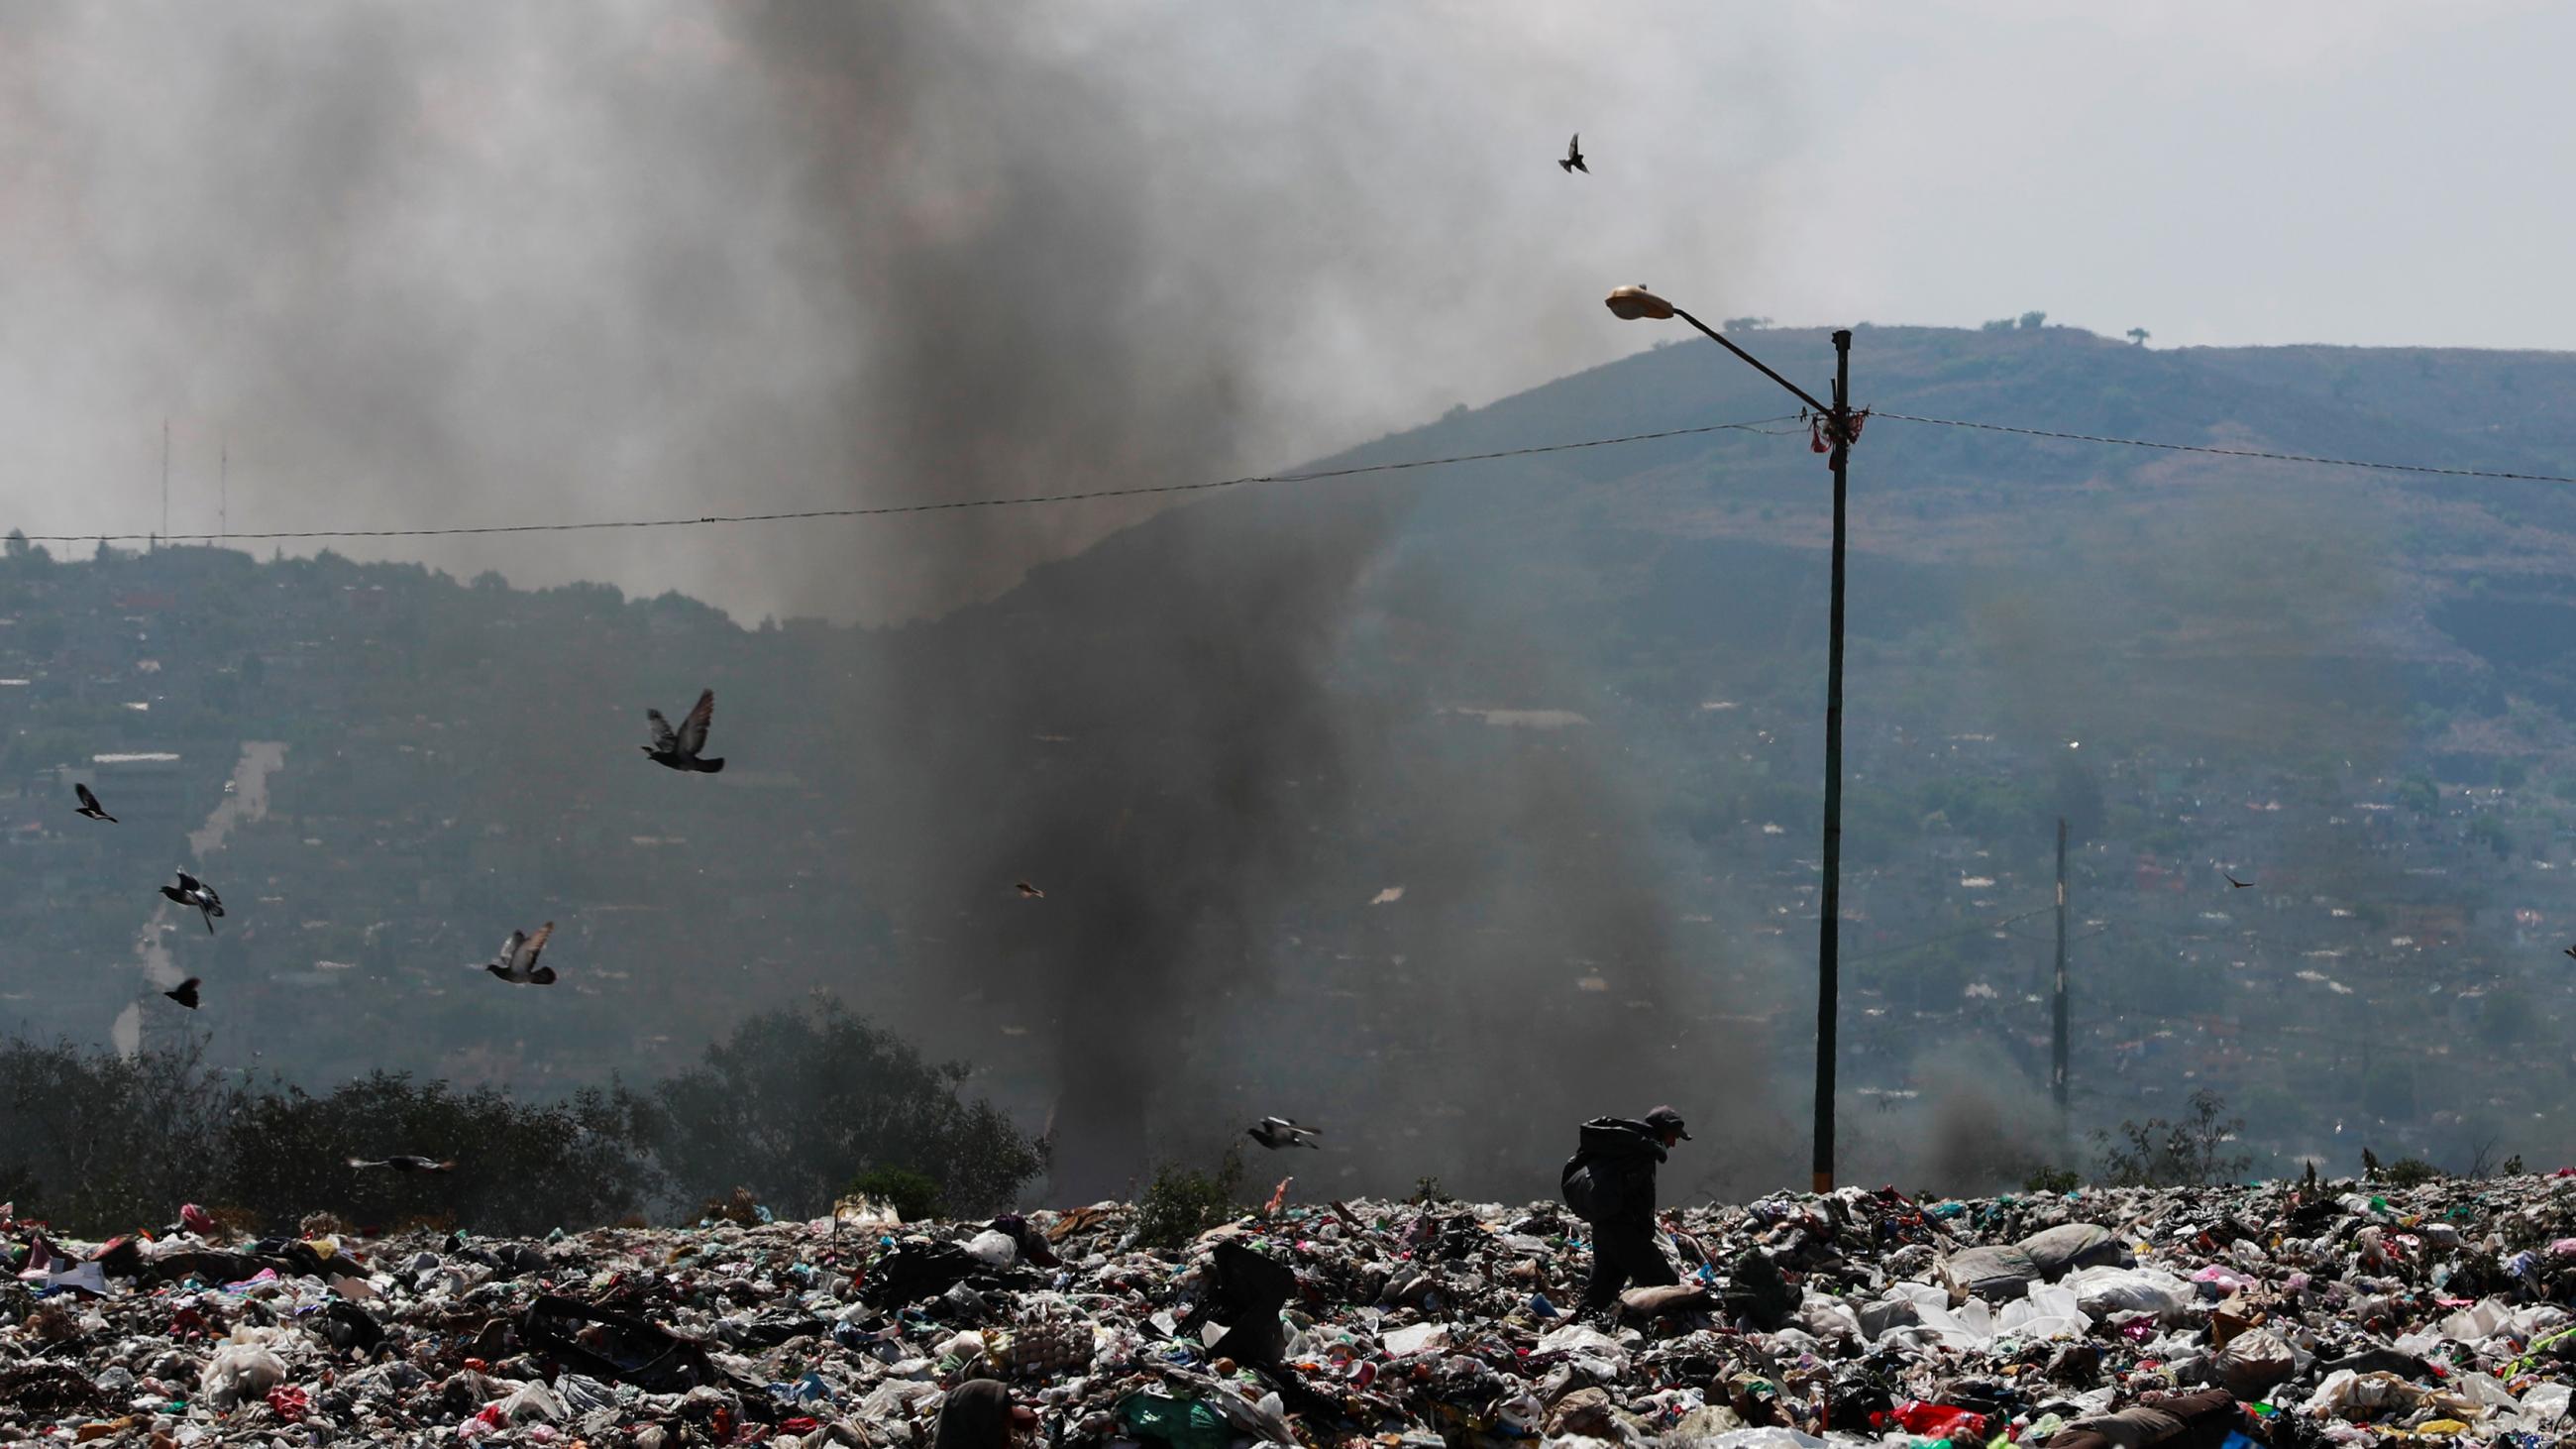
column 1610, row 1183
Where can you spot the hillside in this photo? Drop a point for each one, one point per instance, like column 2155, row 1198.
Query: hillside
column 1568, row 704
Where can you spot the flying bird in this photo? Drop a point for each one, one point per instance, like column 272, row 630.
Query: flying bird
column 679, row 749
column 1028, row 890
column 2569, row 953
column 517, row 963
column 2233, row 881
column 186, row 994
column 89, row 805
column 407, row 1162
column 1573, row 160
column 191, row 891
column 1277, row 1132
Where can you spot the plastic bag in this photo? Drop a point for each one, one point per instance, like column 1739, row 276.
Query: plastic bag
column 1180, row 1423
column 240, row 1372
column 2061, row 1250
column 1585, row 1342
column 1772, row 1437
column 1939, row 1421
column 2104, row 1291
column 2254, row 1361
column 532, row 1401
column 1414, row 1338
column 2049, row 1311
column 1996, row 1274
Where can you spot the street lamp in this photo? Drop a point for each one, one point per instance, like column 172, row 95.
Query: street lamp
column 1632, row 304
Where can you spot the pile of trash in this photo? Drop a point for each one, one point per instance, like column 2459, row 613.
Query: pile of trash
column 2287, row 1315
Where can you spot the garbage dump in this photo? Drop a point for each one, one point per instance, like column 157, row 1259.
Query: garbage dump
column 2279, row 1315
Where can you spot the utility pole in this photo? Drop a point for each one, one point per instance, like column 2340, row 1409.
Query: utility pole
column 1839, row 426
column 224, row 491
column 2057, row 1048
column 165, row 484
column 1829, row 927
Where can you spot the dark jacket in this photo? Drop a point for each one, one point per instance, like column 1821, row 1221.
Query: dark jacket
column 1610, row 1179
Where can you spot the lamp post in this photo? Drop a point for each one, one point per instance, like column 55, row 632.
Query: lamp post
column 1632, row 304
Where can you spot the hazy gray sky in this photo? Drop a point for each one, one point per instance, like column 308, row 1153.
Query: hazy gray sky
column 489, row 263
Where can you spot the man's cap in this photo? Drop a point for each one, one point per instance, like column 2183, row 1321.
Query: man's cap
column 1665, row 1119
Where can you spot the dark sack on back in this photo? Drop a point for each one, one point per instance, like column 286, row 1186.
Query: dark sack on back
column 1576, row 1181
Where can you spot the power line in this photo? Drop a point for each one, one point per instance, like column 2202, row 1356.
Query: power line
column 2231, row 452
column 1757, row 425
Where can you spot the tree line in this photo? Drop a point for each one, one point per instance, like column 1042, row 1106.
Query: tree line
column 795, row 1106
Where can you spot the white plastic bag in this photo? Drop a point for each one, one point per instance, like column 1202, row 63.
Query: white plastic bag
column 2104, row 1291
column 240, row 1372
column 2049, row 1311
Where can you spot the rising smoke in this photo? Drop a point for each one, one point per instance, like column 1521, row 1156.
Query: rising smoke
column 483, row 262
column 486, row 262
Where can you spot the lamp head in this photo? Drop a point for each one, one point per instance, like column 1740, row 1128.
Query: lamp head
column 1630, row 304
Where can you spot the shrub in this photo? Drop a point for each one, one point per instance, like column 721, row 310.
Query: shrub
column 913, row 1195
column 2411, row 1172
column 520, row 1167
column 1181, row 1203
column 790, row 1106
column 796, row 1103
column 2189, row 1153
column 738, row 1207
column 2052, row 1180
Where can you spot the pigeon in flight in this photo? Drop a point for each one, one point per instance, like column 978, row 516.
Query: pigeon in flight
column 679, row 749
column 1029, row 891
column 1573, row 160
column 1277, row 1132
column 186, row 994
column 89, row 805
column 2569, row 953
column 517, row 963
column 407, row 1162
column 2233, row 881
column 191, row 891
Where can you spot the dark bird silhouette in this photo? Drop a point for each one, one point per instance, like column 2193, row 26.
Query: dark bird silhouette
column 186, row 994
column 407, row 1162
column 2239, row 884
column 1028, row 890
column 679, row 748
column 89, row 805
column 1573, row 161
column 191, row 891
column 2569, row 953
column 517, row 963
column 1277, row 1132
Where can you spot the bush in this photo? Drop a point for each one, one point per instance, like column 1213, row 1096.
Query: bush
column 520, row 1167
column 2189, row 1153
column 2411, row 1172
column 796, row 1103
column 1181, row 1203
column 738, row 1207
column 914, row 1196
column 791, row 1106
column 99, row 1143
column 2052, row 1180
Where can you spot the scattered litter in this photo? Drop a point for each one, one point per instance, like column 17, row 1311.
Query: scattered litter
column 2122, row 1316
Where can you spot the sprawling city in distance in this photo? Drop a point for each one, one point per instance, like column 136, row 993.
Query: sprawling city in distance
column 1148, row 725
